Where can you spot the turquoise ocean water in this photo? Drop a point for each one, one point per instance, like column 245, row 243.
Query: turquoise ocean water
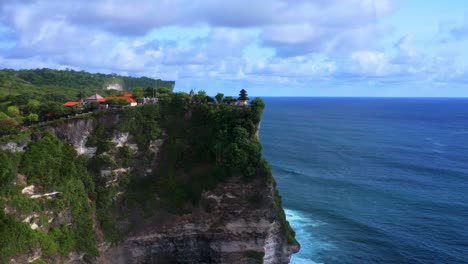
column 369, row 180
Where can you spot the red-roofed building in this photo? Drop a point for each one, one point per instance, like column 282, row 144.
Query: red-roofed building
column 103, row 100
column 71, row 104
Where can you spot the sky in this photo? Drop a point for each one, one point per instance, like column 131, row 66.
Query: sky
column 269, row 47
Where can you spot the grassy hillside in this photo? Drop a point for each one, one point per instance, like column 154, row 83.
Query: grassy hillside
column 68, row 82
column 29, row 96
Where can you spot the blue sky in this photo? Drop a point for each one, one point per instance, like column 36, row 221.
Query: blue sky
column 269, row 47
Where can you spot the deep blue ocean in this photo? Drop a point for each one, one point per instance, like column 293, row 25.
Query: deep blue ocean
column 368, row 180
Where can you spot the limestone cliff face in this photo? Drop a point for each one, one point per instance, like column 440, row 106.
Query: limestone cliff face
column 235, row 223
column 75, row 132
column 238, row 221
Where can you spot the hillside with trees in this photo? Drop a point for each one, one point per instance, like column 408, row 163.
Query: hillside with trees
column 13, row 81
column 29, row 96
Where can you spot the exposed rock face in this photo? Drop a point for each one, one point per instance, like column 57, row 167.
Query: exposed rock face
column 155, row 146
column 124, row 139
column 13, row 147
column 115, row 86
column 226, row 228
column 234, row 223
column 76, row 132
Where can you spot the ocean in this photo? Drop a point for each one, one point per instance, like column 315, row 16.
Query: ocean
column 372, row 180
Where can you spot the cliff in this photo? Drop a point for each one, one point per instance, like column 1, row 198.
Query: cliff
column 173, row 182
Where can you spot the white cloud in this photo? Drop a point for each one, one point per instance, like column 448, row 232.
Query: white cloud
column 255, row 42
column 371, row 62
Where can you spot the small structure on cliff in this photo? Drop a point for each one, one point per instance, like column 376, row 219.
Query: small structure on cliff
column 243, row 99
column 94, row 98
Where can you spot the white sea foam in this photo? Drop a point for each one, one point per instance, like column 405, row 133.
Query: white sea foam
column 301, row 220
column 304, row 226
column 299, row 260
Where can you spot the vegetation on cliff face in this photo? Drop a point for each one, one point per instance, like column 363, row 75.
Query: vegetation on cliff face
column 51, row 165
column 204, row 144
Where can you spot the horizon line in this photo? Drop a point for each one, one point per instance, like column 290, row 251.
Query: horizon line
column 363, row 96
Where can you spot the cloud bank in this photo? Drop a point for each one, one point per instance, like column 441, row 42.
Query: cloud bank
column 208, row 43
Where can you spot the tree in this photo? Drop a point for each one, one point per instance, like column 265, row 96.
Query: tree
column 243, row 95
column 228, row 100
column 257, row 106
column 21, row 99
column 138, row 92
column 32, row 106
column 257, row 103
column 122, row 101
column 117, row 101
column 200, row 97
column 112, row 93
column 112, row 101
column 52, row 109
column 181, row 98
column 13, row 111
column 92, row 106
column 3, row 116
column 219, row 97
column 34, row 103
column 8, row 126
column 31, row 118
column 150, row 92
column 164, row 91
column 57, row 97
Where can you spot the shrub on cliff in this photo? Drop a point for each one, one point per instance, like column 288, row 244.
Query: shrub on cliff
column 8, row 126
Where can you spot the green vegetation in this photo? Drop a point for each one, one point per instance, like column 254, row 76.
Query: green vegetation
column 256, row 255
column 51, row 165
column 39, row 261
column 219, row 97
column 287, row 230
column 196, row 156
column 205, row 143
column 30, row 96
column 44, row 79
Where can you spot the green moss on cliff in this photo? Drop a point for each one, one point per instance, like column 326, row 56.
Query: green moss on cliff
column 256, row 255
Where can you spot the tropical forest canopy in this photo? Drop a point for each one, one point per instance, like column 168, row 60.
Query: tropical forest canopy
column 29, row 96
